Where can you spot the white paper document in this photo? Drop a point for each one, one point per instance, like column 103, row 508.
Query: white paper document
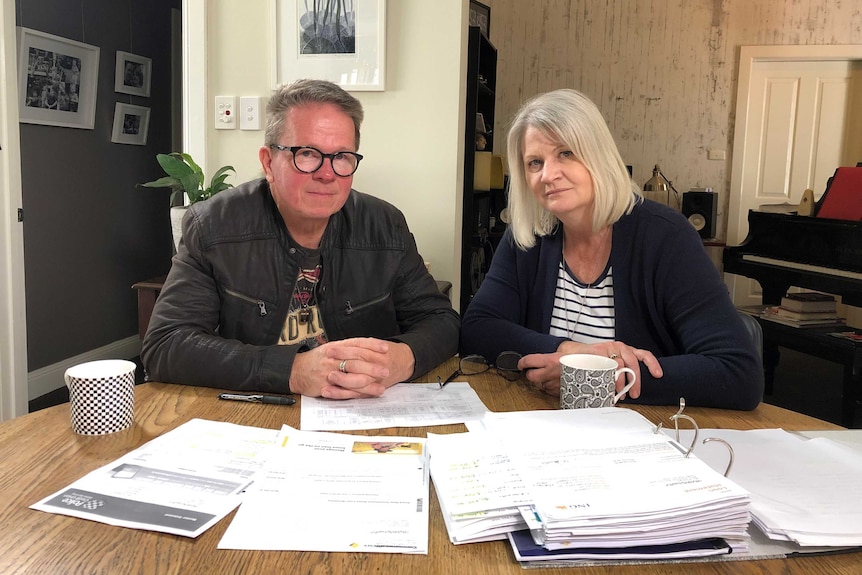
column 182, row 482
column 403, row 405
column 806, row 491
column 337, row 492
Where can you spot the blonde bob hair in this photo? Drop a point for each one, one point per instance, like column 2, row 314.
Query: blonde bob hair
column 570, row 118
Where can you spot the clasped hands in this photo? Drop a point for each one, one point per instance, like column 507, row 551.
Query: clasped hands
column 351, row 368
column 542, row 370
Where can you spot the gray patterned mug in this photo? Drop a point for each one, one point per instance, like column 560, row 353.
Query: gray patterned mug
column 590, row 381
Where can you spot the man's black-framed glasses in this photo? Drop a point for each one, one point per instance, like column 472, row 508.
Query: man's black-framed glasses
column 506, row 365
column 308, row 160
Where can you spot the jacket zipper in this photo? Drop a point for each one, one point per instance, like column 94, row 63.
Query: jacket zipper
column 349, row 309
column 259, row 303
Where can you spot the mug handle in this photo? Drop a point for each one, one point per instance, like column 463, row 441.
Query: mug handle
column 628, row 386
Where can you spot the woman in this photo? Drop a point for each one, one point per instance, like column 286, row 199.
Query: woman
column 588, row 266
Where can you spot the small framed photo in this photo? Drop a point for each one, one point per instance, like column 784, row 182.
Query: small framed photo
column 130, row 124
column 57, row 80
column 132, row 75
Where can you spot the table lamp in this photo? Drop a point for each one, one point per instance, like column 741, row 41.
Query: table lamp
column 659, row 188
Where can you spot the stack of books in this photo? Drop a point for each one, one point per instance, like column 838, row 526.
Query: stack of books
column 805, row 309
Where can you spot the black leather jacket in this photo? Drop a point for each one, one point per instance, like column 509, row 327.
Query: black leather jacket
column 225, row 300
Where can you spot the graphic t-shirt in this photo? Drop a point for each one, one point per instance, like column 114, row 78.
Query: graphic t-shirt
column 303, row 325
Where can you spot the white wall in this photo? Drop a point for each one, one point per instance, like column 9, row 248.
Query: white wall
column 412, row 137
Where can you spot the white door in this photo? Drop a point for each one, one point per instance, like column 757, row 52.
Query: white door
column 795, row 125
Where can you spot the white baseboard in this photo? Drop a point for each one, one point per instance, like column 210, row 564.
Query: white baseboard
column 47, row 379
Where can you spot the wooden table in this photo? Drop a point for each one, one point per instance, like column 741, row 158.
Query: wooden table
column 40, row 455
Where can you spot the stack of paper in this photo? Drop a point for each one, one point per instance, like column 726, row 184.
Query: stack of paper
column 805, row 491
column 337, row 492
column 478, row 489
column 602, row 479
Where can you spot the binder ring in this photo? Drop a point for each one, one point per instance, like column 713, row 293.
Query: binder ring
column 729, row 451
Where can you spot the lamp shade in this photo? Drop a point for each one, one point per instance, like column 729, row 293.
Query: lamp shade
column 660, row 189
column 657, row 183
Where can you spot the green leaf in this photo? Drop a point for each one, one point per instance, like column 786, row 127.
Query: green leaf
column 174, row 166
column 184, row 175
column 163, row 182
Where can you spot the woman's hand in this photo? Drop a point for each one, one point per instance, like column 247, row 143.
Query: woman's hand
column 542, row 370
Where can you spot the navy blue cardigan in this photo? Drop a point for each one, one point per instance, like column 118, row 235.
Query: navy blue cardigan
column 668, row 298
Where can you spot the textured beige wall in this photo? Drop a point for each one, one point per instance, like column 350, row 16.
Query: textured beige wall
column 663, row 72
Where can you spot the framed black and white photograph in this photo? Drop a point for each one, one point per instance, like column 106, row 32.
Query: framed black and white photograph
column 343, row 41
column 57, row 80
column 480, row 15
column 130, row 124
column 132, row 74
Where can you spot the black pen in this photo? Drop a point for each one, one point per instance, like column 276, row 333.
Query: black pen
column 276, row 399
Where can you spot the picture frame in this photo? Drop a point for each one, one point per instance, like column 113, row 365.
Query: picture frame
column 132, row 74
column 57, row 80
column 480, row 15
column 131, row 124
column 354, row 59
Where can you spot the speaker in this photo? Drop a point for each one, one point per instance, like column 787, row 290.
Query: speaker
column 701, row 209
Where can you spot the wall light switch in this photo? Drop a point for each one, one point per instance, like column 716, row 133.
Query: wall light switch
column 225, row 112
column 712, row 154
column 249, row 113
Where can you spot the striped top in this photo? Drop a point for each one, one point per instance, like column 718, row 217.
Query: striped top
column 583, row 313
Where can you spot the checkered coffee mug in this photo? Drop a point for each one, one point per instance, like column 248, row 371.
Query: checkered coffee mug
column 102, row 396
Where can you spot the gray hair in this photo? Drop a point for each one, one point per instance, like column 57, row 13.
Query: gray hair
column 571, row 119
column 302, row 92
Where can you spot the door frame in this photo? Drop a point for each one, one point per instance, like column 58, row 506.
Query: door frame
column 749, row 56
column 13, row 318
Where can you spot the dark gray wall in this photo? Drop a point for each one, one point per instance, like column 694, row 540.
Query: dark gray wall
column 89, row 233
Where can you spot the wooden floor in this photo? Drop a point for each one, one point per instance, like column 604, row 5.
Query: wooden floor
column 797, row 375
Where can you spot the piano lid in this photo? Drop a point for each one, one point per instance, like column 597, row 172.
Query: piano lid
column 843, row 196
column 824, row 242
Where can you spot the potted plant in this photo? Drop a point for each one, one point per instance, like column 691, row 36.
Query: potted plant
column 184, row 176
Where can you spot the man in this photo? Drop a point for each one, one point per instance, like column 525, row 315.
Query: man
column 295, row 282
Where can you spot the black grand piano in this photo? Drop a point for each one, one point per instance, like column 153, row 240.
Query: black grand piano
column 812, row 252
column 784, row 250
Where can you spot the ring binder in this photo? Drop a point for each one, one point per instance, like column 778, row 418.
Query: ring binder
column 680, row 415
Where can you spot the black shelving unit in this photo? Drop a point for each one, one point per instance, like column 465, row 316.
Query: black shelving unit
column 477, row 239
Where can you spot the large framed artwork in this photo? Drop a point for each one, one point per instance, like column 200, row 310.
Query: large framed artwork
column 339, row 40
column 131, row 124
column 132, row 74
column 57, row 80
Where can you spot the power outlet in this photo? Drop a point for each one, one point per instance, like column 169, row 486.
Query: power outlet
column 225, row 112
column 249, row 113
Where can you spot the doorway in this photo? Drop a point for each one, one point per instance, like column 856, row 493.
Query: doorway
column 798, row 117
